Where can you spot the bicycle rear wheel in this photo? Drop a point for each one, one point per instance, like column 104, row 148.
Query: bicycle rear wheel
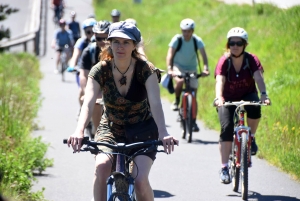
column 244, row 166
column 189, row 117
column 234, row 170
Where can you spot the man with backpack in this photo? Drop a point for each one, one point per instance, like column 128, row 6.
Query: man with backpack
column 183, row 56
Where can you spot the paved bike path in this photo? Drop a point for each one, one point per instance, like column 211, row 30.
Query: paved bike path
column 190, row 173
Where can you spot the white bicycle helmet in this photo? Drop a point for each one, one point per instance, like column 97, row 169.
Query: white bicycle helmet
column 101, row 27
column 88, row 23
column 115, row 13
column 238, row 32
column 187, row 24
column 131, row 20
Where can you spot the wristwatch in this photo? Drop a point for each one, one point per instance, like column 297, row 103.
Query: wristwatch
column 263, row 93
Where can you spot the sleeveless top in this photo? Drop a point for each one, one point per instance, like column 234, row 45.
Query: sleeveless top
column 131, row 108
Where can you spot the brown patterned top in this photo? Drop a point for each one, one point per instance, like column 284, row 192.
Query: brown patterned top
column 132, row 108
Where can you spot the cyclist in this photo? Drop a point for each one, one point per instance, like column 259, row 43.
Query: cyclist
column 74, row 26
column 58, row 6
column 115, row 15
column 61, row 38
column 79, row 46
column 90, row 57
column 140, row 45
column 236, row 74
column 185, row 59
column 126, row 97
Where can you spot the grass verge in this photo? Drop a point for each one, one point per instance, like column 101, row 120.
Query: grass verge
column 20, row 153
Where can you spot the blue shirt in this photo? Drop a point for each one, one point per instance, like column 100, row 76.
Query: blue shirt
column 63, row 38
column 75, row 27
column 186, row 57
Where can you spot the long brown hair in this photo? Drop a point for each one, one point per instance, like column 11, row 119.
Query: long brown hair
column 106, row 53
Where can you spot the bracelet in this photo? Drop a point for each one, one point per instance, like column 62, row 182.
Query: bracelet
column 263, row 93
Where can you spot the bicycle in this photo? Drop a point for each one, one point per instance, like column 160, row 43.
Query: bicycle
column 188, row 108
column 63, row 59
column 58, row 14
column 240, row 157
column 120, row 184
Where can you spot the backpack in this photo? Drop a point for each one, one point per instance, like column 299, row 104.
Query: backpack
column 179, row 39
column 246, row 55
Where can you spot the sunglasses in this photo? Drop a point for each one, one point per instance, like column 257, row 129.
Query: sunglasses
column 88, row 32
column 238, row 43
column 100, row 39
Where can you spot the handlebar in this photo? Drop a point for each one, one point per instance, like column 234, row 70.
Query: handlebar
column 119, row 146
column 241, row 103
column 192, row 75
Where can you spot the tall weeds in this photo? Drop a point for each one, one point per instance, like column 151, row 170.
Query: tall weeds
column 20, row 154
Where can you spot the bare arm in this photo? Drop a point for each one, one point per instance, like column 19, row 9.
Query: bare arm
column 170, row 54
column 220, row 81
column 204, row 57
column 91, row 92
column 259, row 79
column 157, row 112
column 83, row 77
column 75, row 57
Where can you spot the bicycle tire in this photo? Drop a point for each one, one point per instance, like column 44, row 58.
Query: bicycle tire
column 189, row 117
column 120, row 189
column 234, row 170
column 244, row 166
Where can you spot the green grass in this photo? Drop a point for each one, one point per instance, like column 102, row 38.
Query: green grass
column 274, row 36
column 20, row 153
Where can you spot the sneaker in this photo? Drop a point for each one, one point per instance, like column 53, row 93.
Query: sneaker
column 224, row 176
column 254, row 147
column 196, row 128
column 174, row 106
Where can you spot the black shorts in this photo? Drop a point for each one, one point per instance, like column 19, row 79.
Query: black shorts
column 226, row 116
column 113, row 134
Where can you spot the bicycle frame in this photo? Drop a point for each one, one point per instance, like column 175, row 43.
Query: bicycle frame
column 188, row 104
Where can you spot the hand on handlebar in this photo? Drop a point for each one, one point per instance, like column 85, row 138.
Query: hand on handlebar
column 169, row 142
column 205, row 73
column 265, row 99
column 75, row 141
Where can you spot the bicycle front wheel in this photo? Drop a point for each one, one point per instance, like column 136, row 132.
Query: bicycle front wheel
column 189, row 117
column 244, row 166
column 120, row 189
column 234, row 170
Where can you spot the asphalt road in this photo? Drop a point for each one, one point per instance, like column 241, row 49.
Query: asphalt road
column 190, row 173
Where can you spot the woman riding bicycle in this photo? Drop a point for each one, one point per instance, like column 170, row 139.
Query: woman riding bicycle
column 237, row 74
column 131, row 96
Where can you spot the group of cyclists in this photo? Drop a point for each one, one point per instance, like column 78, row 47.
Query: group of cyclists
column 119, row 86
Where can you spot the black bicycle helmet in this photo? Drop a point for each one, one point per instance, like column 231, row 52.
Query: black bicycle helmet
column 101, row 27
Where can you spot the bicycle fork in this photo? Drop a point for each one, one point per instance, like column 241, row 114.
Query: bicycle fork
column 238, row 133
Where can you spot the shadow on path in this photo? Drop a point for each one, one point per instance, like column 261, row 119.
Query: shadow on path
column 254, row 196
column 162, row 194
column 197, row 141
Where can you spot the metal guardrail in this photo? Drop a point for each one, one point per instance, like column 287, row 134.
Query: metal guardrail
column 32, row 35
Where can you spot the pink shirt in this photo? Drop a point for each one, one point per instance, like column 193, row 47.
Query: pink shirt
column 237, row 85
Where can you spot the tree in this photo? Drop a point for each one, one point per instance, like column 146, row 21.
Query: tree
column 5, row 10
